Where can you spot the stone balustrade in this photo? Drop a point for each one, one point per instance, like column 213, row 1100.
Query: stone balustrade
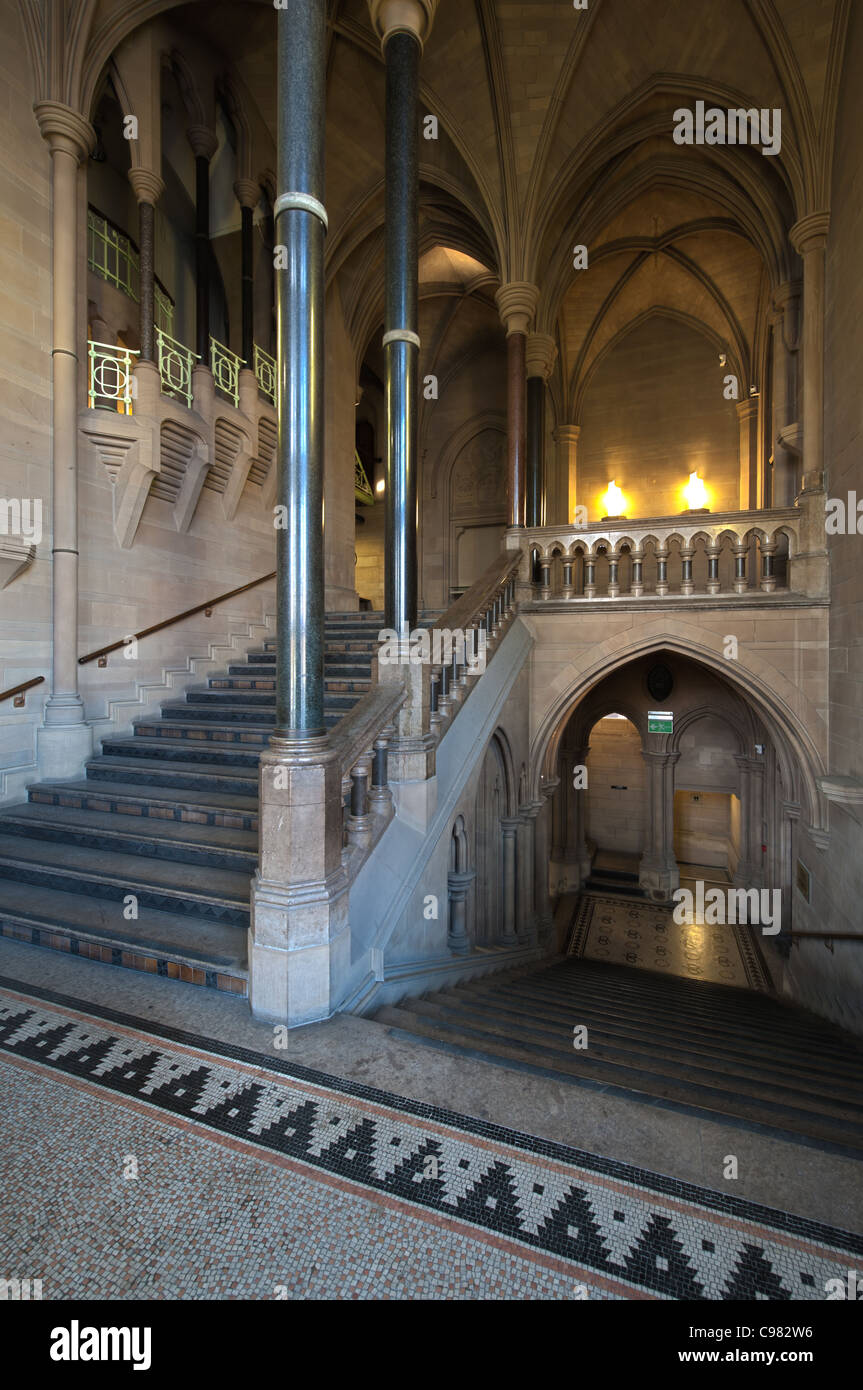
column 694, row 554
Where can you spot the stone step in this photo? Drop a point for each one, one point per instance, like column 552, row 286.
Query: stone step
column 200, row 807
column 216, row 895
column 161, row 943
column 642, row 1081
column 182, row 842
column 156, row 773
column 652, row 1046
column 182, row 750
column 238, row 724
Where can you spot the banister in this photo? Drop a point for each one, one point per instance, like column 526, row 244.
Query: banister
column 357, row 730
column 464, row 610
column 178, row 618
column 19, row 689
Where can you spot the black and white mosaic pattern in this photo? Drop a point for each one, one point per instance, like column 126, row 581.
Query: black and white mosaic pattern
column 632, row 1231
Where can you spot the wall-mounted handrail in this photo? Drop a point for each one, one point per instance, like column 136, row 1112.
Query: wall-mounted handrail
column 19, row 689
column 178, row 618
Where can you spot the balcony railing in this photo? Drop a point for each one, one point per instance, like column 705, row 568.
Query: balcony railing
column 266, row 373
column 112, row 255
column 111, row 384
column 175, row 366
column 225, row 366
column 687, row 556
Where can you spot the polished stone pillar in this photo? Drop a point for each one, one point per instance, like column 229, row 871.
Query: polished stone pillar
column 299, row 939
column 658, row 874
column 539, row 361
column 402, row 26
column 786, row 459
column 148, row 187
column 248, row 195
column 809, row 239
column 65, row 741
column 747, row 419
column 566, row 439
column 204, row 145
column 516, row 302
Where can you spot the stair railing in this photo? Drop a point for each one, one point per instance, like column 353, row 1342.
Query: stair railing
column 15, row 693
column 102, row 653
column 361, row 740
column 462, row 641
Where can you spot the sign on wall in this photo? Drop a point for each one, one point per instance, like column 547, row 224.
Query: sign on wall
column 660, row 721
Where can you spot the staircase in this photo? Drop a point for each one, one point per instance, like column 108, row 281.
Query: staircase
column 165, row 823
column 729, row 1052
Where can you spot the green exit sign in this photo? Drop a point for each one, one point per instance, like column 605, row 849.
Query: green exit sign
column 660, row 721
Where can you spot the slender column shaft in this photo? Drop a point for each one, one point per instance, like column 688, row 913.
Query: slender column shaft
column 516, row 427
column 300, row 315
column 535, row 505
column 248, row 286
column 809, row 237
column 509, row 830
column 147, row 292
column 402, row 55
column 202, row 257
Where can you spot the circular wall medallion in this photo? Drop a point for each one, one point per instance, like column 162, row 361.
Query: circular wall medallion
column 660, row 682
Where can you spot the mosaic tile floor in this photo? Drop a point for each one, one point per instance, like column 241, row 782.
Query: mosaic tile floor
column 142, row 1163
column 646, row 936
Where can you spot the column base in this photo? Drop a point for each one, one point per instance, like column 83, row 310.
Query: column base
column 299, row 950
column 62, row 748
column 659, row 879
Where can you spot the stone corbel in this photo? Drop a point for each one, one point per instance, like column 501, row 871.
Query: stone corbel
column 236, row 483
column 132, row 487
column 15, row 557
column 193, row 483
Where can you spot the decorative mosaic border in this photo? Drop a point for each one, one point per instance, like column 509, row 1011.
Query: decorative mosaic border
column 627, row 1229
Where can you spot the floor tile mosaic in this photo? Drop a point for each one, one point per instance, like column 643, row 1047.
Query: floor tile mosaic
column 259, row 1178
column 645, row 935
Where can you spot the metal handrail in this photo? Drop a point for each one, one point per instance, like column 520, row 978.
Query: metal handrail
column 178, row 618
column 19, row 689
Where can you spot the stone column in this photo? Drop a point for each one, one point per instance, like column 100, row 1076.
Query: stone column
column 516, row 302
column 809, row 239
column 566, row 439
column 509, row 831
column 542, row 857
column 458, row 888
column 527, row 922
column 577, row 855
column 539, row 361
column 204, row 145
column 750, row 870
column 786, row 461
column 65, row 741
column 299, row 940
column 402, row 26
column 658, row 874
column 248, row 195
column 747, row 418
column 148, row 188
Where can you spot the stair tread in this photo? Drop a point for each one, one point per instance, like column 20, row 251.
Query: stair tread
column 176, row 832
column 205, row 799
column 111, row 761
column 212, row 944
column 189, row 880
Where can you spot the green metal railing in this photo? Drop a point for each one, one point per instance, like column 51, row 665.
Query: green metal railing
column 266, row 373
column 111, row 384
column 362, row 486
column 112, row 255
column 175, row 366
column 225, row 366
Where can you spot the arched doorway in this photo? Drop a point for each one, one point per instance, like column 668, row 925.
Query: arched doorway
column 493, row 808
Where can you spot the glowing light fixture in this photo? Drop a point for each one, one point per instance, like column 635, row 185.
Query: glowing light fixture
column 380, row 485
column 695, row 493
column 613, row 500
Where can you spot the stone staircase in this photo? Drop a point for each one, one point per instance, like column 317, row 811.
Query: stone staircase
column 165, row 825
column 729, row 1052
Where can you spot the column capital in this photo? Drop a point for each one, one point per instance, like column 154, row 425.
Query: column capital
column 402, row 17
column 747, row 409
column 785, row 294
column 65, row 129
column 247, row 192
column 516, row 303
column 203, row 141
column 810, row 233
column 148, row 186
column 566, row 434
column 540, row 355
